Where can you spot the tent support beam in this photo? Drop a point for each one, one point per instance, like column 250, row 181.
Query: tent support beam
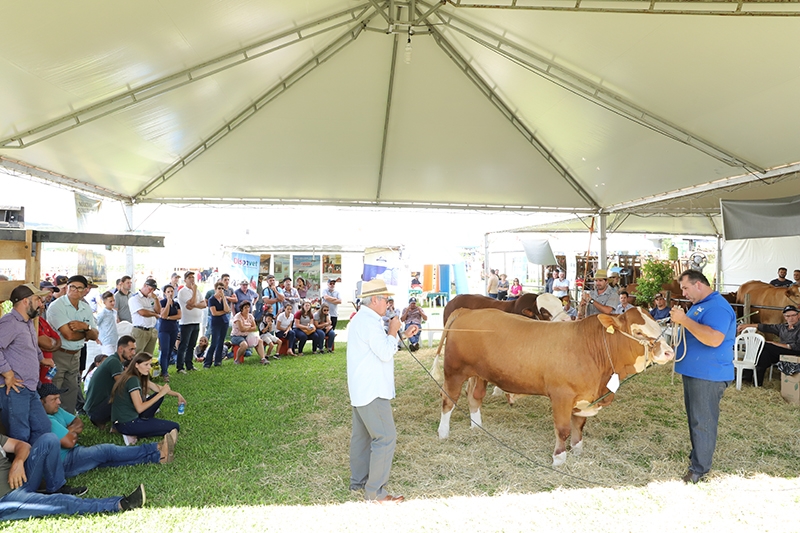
column 259, row 104
column 587, row 88
column 512, row 117
column 386, row 117
column 771, row 176
column 203, row 70
column 24, row 170
column 603, row 259
column 744, row 8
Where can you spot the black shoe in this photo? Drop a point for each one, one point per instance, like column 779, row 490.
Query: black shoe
column 692, row 477
column 73, row 491
column 134, row 500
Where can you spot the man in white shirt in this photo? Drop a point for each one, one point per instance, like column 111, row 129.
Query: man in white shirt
column 370, row 380
column 192, row 305
column 145, row 310
column 72, row 317
column 561, row 284
column 331, row 296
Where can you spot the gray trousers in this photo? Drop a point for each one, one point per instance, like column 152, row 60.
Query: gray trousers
column 68, row 376
column 702, row 399
column 372, row 448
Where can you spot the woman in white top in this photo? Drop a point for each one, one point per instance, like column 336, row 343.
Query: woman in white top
column 244, row 333
column 285, row 322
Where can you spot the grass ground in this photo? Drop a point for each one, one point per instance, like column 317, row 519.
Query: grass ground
column 266, row 449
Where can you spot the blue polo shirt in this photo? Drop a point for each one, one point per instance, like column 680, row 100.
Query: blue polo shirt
column 707, row 362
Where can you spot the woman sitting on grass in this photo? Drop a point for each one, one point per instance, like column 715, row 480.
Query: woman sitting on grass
column 132, row 413
column 304, row 330
column 245, row 334
column 322, row 321
column 285, row 322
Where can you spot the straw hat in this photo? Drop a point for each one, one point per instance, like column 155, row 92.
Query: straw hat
column 376, row 287
column 601, row 274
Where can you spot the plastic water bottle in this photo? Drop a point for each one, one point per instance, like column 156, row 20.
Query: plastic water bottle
column 51, row 373
column 181, row 408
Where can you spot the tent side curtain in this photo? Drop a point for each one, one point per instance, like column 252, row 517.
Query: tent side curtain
column 753, row 219
column 539, row 252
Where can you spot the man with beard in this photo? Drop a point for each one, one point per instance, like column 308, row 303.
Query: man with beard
column 21, row 411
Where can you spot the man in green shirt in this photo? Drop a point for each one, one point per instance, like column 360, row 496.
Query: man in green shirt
column 97, row 406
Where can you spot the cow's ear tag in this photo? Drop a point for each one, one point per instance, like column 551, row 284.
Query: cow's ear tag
column 613, row 383
column 610, row 329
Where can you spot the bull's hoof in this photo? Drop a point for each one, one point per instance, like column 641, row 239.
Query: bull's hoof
column 444, row 433
column 577, row 448
column 560, row 458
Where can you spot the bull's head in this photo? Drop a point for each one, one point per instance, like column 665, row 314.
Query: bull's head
column 641, row 327
column 793, row 294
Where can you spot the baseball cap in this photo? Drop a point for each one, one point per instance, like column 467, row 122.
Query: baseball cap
column 46, row 285
column 48, row 389
column 79, row 279
column 90, row 282
column 151, row 283
column 25, row 291
column 62, row 280
column 412, row 300
column 790, row 309
column 244, row 282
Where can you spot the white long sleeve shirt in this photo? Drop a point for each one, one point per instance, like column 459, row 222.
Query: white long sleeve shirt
column 370, row 359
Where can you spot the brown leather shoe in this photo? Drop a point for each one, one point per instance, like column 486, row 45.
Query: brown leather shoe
column 390, row 499
column 693, row 477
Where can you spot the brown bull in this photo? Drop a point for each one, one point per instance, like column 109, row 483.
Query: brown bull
column 765, row 294
column 569, row 362
column 524, row 305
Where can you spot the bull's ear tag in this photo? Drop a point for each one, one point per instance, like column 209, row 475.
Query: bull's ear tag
column 610, row 329
column 613, row 383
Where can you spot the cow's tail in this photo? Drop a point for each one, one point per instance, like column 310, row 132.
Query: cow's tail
column 436, row 372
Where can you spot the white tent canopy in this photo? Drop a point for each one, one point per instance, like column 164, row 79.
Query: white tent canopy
column 527, row 105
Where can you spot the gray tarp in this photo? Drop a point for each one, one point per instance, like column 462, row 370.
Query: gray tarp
column 539, row 251
column 752, row 219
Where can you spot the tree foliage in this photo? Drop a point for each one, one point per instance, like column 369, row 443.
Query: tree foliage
column 655, row 273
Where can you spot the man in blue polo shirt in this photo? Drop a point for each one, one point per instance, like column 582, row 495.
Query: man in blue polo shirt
column 707, row 368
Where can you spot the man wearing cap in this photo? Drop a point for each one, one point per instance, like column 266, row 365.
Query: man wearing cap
column 331, row 296
column 707, row 366
column 272, row 297
column 245, row 294
column 600, row 300
column 788, row 334
column 660, row 311
column 52, row 290
column 192, row 316
column 78, row 459
column 72, row 317
column 290, row 294
column 122, row 297
column 370, row 381
column 98, row 406
column 413, row 315
column 145, row 310
column 20, row 358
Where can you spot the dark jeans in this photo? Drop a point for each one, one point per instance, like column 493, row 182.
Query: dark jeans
column 166, row 343
column 770, row 355
column 302, row 338
column 147, row 425
column 334, row 320
column 81, row 459
column 189, row 335
column 702, row 398
column 214, row 354
column 329, row 338
column 44, row 462
column 22, row 415
column 289, row 336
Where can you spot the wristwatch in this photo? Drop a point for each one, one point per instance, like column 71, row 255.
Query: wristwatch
column 591, row 301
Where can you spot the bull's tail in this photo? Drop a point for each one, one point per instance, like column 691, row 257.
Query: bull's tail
column 435, row 371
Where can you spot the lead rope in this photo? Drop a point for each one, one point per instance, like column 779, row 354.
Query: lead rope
column 678, row 338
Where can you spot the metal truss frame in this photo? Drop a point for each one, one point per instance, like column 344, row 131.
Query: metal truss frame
column 647, row 204
column 741, row 8
column 192, row 74
column 309, row 66
column 586, row 88
column 512, row 117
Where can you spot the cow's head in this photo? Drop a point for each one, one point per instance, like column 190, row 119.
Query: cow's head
column 551, row 308
column 793, row 294
column 642, row 328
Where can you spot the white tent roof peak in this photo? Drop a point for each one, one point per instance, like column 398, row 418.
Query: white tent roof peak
column 534, row 105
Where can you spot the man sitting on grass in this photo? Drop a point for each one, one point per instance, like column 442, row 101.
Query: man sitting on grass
column 79, row 459
column 20, row 479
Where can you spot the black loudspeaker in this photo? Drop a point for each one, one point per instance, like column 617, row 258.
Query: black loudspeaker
column 12, row 217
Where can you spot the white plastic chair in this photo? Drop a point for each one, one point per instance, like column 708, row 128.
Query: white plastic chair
column 746, row 351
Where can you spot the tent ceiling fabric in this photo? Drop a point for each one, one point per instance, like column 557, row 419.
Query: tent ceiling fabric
column 543, row 106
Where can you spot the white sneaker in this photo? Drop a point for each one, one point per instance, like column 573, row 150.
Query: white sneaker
column 130, row 440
